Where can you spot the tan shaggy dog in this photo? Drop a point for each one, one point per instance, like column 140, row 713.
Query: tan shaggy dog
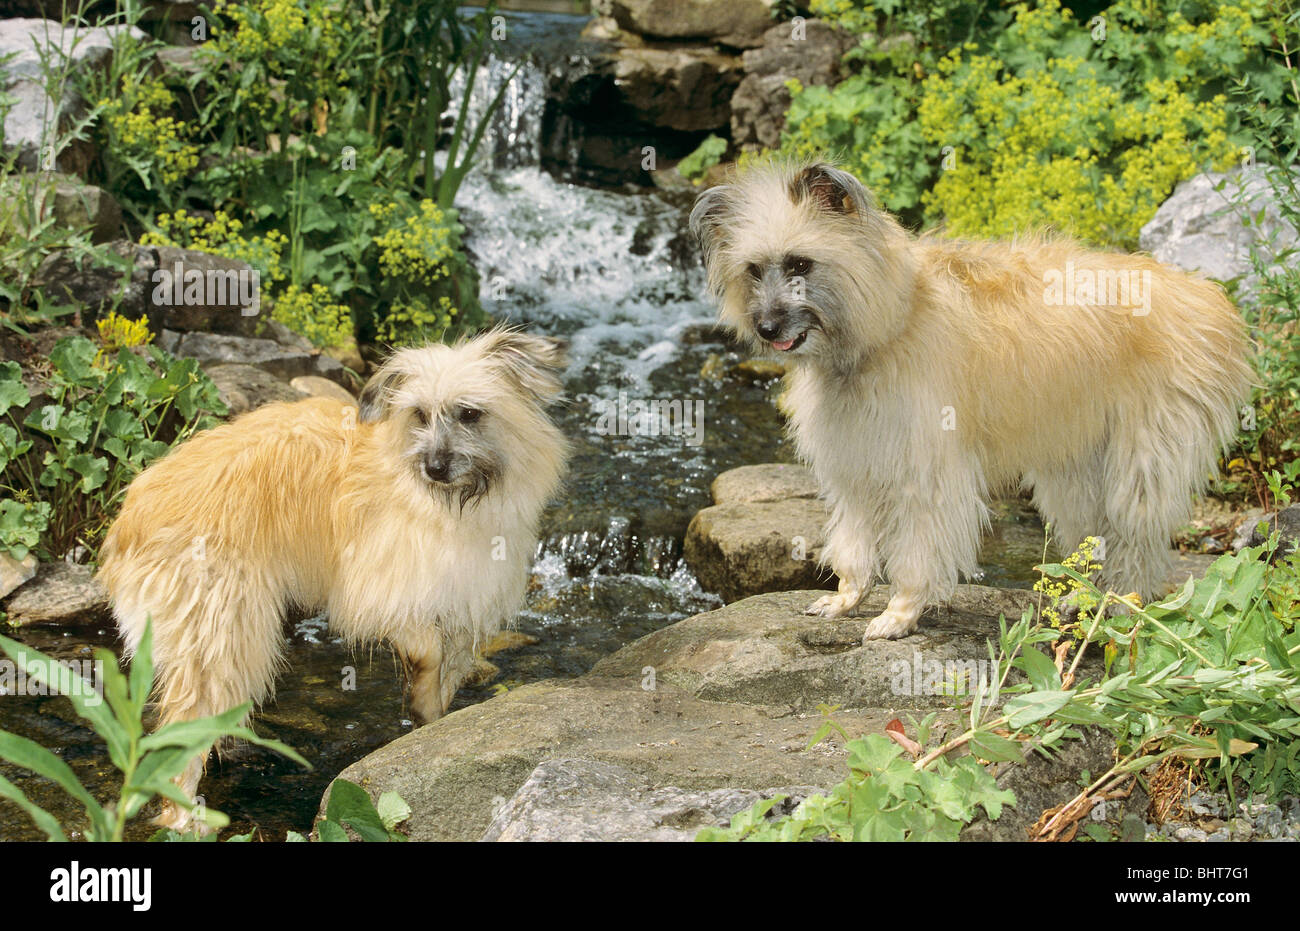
column 411, row 521
column 927, row 374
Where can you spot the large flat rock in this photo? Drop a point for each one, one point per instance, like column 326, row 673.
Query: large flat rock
column 765, row 650
column 458, row 773
column 725, row 700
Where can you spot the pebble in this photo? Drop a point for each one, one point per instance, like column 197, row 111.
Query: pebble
column 1254, row 819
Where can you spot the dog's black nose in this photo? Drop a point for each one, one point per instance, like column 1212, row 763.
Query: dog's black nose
column 438, row 468
column 769, row 328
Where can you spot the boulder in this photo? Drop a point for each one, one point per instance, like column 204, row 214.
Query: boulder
column 809, row 52
column 273, row 356
column 771, row 481
column 684, row 89
column 1212, row 221
column 1287, row 521
column 583, row 800
column 317, row 387
column 60, row 594
column 71, row 203
column 135, row 280
column 764, row 533
column 683, row 727
column 78, row 205
column 737, row 550
column 41, row 109
column 458, row 772
column 737, row 23
column 246, row 387
column 764, row 650
column 14, row 572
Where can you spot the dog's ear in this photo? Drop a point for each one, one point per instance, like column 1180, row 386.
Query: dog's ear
column 709, row 217
column 832, row 189
column 376, row 396
column 535, row 363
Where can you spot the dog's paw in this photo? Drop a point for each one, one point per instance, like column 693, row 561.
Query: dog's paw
column 181, row 820
column 833, row 606
column 890, row 625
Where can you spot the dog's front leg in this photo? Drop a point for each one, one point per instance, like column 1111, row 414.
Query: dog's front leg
column 899, row 618
column 844, row 601
column 424, row 665
column 936, row 538
column 851, row 552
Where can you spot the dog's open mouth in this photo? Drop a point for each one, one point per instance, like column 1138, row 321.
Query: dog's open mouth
column 788, row 345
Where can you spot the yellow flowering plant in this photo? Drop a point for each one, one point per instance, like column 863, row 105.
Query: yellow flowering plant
column 313, row 311
column 428, row 290
column 991, row 121
column 147, row 149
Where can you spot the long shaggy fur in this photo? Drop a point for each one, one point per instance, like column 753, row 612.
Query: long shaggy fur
column 928, row 373
column 318, row 505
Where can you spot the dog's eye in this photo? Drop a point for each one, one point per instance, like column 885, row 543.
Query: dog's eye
column 754, row 271
column 798, row 265
column 469, row 414
column 420, row 416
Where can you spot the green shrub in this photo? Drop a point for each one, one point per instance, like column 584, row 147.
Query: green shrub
column 105, row 416
column 707, row 154
column 995, row 121
column 428, row 291
column 1272, row 440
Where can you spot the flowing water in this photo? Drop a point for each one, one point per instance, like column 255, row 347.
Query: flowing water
column 615, row 274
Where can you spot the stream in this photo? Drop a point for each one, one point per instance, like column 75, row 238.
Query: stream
column 616, row 275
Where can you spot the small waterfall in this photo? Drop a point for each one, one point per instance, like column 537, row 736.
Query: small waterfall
column 616, row 275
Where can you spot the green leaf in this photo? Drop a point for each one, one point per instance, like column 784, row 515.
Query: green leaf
column 85, row 700
column 392, row 809
column 350, row 804
column 44, row 820
column 996, row 749
column 1040, row 670
column 331, row 833
column 12, row 391
column 30, row 755
column 1024, row 710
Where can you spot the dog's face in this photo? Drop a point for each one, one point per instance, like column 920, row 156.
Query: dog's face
column 464, row 417
column 794, row 257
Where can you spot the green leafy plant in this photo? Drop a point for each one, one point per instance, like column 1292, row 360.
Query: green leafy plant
column 884, row 798
column 1271, row 429
column 992, row 120
column 104, row 416
column 706, row 155
column 147, row 762
column 349, row 806
column 1210, row 675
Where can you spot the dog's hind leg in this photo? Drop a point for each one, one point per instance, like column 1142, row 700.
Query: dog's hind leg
column 1071, row 500
column 219, row 651
column 1150, row 479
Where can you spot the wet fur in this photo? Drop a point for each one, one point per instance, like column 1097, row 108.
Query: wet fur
column 318, row 505
column 1114, row 419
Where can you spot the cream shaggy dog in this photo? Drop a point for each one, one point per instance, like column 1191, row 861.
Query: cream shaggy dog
column 411, row 520
column 927, row 374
